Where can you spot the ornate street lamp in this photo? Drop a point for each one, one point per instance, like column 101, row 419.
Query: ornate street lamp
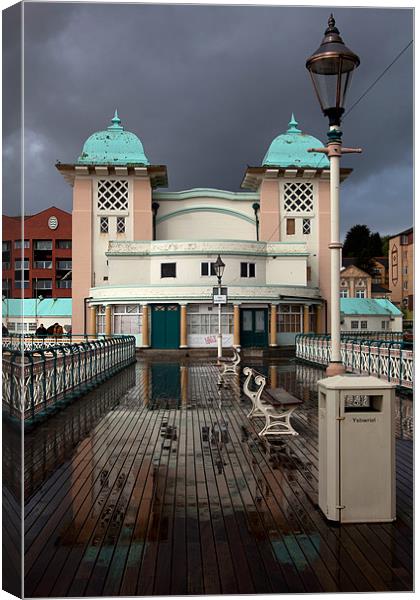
column 219, row 268
column 331, row 67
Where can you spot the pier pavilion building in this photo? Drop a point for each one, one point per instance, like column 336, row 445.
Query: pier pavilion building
column 142, row 257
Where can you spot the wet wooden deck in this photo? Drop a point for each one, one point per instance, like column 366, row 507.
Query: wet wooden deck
column 157, row 483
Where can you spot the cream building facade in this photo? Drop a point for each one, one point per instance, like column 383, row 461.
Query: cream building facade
column 142, row 258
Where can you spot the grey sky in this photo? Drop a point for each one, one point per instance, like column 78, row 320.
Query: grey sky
column 206, row 88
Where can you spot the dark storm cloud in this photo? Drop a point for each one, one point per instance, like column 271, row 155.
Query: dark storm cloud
column 207, row 88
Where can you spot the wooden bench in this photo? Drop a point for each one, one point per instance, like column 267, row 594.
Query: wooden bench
column 276, row 407
column 229, row 364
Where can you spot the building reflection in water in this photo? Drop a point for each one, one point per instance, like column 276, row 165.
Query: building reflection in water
column 12, row 510
column 194, row 460
column 54, row 441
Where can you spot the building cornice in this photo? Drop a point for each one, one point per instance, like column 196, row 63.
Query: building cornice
column 205, row 247
column 157, row 173
column 255, row 175
column 206, row 193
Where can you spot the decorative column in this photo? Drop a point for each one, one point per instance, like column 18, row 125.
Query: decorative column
column 108, row 319
column 236, row 326
column 306, row 318
column 319, row 328
column 145, row 326
column 92, row 320
column 273, row 325
column 183, row 329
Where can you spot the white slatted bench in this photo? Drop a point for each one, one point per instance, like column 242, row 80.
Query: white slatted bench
column 276, row 407
column 229, row 364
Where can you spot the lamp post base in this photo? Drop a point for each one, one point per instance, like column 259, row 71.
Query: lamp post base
column 219, row 346
column 335, row 368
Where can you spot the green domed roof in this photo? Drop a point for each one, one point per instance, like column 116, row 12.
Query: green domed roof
column 290, row 149
column 114, row 146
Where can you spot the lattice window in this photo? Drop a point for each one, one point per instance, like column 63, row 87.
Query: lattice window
column 298, row 197
column 103, row 226
column 120, row 224
column 306, row 226
column 112, row 194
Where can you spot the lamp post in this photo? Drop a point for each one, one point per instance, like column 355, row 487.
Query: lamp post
column 256, row 208
column 331, row 67
column 38, row 299
column 219, row 267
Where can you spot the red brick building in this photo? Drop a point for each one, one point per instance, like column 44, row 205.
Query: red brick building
column 40, row 263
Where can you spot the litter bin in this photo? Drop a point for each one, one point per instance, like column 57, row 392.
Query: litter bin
column 356, row 449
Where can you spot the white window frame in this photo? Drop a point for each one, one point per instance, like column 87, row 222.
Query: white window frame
column 306, row 226
column 247, row 276
column 43, row 242
column 127, row 319
column 102, row 221
column 361, row 293
column 19, row 244
column 344, row 293
column 209, row 264
column 100, row 319
column 289, row 318
column 200, row 322
column 121, row 225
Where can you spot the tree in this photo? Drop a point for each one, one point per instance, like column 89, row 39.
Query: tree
column 363, row 245
column 385, row 245
column 357, row 238
column 375, row 245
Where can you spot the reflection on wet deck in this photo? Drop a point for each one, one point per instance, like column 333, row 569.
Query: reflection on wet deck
column 157, row 483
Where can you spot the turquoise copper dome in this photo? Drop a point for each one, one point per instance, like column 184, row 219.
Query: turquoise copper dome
column 290, row 149
column 114, row 146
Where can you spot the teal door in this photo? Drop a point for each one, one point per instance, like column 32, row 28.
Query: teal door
column 165, row 326
column 254, row 327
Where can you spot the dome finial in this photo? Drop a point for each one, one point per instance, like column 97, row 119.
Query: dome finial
column 293, row 125
column 116, row 121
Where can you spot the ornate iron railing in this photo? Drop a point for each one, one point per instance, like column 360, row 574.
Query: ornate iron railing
column 391, row 336
column 386, row 359
column 30, row 341
column 44, row 378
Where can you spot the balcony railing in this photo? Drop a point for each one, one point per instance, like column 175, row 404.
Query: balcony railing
column 43, row 245
column 43, row 375
column 43, row 285
column 63, row 285
column 43, row 264
column 64, row 265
